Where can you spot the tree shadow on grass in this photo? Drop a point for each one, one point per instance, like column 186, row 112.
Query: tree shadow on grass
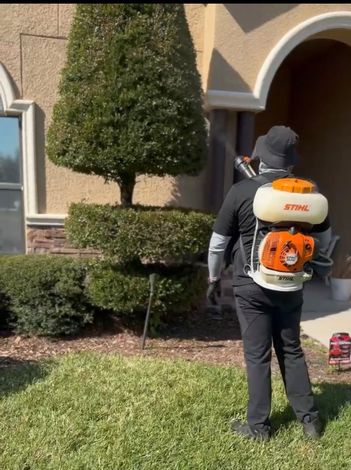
column 16, row 375
column 330, row 400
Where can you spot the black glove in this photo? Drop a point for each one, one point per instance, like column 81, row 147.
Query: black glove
column 214, row 291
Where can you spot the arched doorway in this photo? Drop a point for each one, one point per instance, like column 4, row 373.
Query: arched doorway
column 311, row 93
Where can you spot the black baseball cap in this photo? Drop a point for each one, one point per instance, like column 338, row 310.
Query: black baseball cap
column 277, row 148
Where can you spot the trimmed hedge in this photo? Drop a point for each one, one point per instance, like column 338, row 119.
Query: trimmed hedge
column 150, row 234
column 4, row 311
column 126, row 289
column 46, row 295
column 53, row 296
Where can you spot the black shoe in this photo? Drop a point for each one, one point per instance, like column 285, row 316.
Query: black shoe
column 312, row 428
column 244, row 430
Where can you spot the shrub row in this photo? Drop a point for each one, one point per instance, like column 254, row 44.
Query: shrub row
column 45, row 295
column 53, row 296
column 127, row 289
column 146, row 234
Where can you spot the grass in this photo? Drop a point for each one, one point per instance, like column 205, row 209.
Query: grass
column 316, row 345
column 92, row 411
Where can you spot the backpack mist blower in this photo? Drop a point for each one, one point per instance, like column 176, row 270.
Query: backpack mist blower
column 285, row 210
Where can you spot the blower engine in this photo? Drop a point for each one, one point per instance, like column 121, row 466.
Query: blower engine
column 285, row 210
column 340, row 349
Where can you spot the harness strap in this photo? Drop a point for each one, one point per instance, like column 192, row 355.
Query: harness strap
column 261, row 179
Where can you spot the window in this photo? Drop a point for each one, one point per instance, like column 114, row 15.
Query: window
column 12, row 237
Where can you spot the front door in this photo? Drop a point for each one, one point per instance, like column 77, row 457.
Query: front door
column 12, row 235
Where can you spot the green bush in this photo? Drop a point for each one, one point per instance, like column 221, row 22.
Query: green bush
column 140, row 233
column 130, row 103
column 127, row 289
column 46, row 294
column 51, row 296
column 4, row 311
column 130, row 95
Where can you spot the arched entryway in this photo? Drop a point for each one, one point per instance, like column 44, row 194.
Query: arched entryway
column 311, row 93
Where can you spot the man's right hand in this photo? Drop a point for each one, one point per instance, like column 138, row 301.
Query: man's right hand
column 214, row 291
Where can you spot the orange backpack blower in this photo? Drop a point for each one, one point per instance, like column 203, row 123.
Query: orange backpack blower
column 285, row 210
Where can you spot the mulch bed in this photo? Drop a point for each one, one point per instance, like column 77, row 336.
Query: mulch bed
column 197, row 337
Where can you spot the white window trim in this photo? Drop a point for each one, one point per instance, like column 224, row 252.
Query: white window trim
column 51, row 220
column 26, row 109
column 256, row 100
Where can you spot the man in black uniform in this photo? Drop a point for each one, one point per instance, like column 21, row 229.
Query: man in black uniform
column 265, row 315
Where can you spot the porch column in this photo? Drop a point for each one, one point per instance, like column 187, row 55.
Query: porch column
column 245, row 137
column 217, row 156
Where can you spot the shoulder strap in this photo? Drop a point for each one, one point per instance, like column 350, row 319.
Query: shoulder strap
column 242, row 250
column 261, row 179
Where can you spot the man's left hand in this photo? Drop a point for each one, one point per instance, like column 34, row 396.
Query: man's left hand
column 214, row 291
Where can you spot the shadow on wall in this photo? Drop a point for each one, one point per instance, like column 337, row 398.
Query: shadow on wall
column 13, row 83
column 250, row 17
column 189, row 191
column 222, row 76
column 40, row 158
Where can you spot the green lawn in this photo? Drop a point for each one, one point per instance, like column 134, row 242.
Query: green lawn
column 91, row 411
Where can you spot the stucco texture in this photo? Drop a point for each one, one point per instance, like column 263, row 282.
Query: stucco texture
column 243, row 36
column 33, row 41
column 231, row 41
column 319, row 111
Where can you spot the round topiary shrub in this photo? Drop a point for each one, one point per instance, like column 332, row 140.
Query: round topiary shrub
column 130, row 96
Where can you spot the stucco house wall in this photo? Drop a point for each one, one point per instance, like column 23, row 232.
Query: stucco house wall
column 239, row 47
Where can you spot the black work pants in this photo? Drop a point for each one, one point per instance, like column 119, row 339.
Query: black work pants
column 267, row 316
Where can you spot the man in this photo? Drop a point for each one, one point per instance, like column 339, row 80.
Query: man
column 264, row 315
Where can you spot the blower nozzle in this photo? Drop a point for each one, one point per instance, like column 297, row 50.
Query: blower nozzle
column 242, row 164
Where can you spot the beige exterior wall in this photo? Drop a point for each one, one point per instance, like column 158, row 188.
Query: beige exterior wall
column 33, row 41
column 278, row 105
column 244, row 35
column 232, row 42
column 311, row 93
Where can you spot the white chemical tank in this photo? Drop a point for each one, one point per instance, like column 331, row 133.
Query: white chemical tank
column 290, row 199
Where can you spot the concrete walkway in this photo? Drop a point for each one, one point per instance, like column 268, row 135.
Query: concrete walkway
column 321, row 316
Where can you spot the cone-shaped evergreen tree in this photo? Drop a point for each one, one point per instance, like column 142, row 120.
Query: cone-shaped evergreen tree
column 130, row 99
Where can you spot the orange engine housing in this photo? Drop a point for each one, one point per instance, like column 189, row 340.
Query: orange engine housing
column 285, row 251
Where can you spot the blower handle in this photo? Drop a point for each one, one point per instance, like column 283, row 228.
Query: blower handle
column 243, row 164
